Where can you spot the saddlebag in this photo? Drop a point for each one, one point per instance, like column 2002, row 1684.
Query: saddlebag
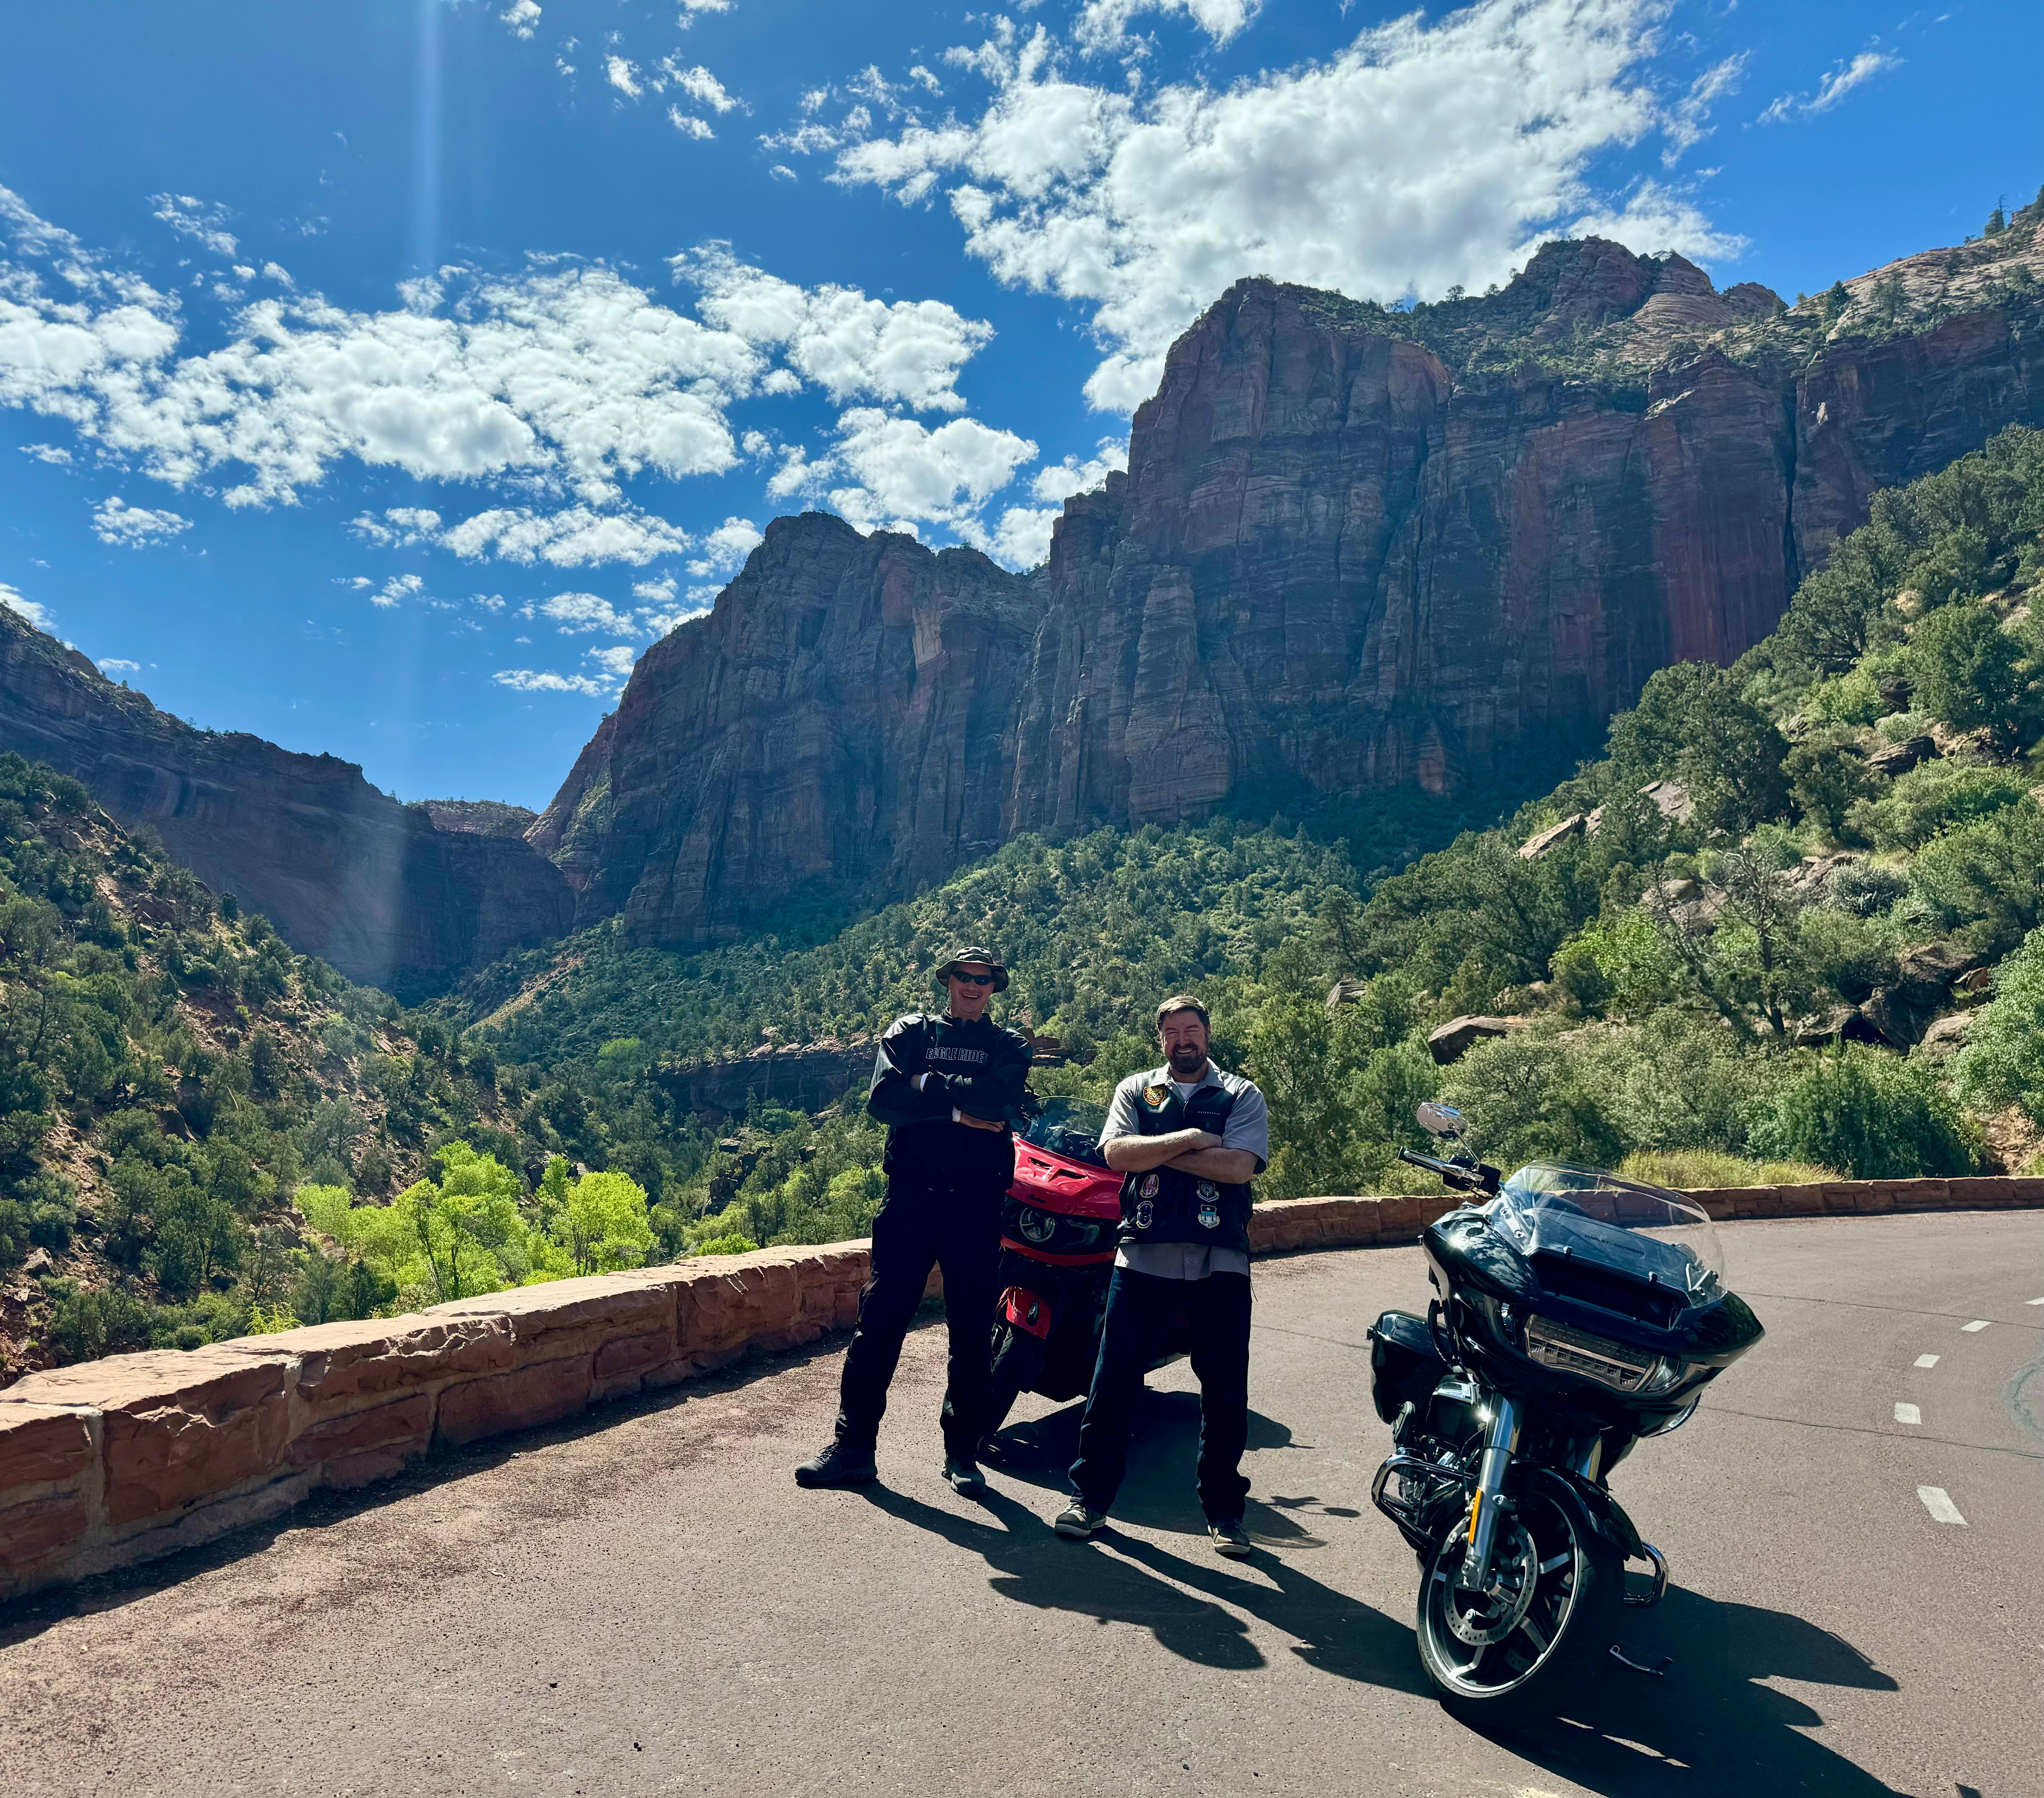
column 1404, row 1363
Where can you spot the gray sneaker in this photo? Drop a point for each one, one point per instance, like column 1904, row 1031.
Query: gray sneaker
column 1231, row 1539
column 964, row 1477
column 1076, row 1521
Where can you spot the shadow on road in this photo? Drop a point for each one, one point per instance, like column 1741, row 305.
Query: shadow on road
column 1709, row 1726
column 1121, row 1578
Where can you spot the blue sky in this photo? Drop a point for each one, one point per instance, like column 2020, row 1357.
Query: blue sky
column 382, row 378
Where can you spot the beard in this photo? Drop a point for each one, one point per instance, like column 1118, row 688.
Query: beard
column 1187, row 1061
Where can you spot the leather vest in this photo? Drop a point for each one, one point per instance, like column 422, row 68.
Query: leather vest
column 1164, row 1204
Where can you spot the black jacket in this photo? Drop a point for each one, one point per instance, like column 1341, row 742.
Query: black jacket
column 1164, row 1204
column 977, row 1068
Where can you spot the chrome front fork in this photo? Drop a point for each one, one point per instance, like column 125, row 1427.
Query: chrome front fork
column 1500, row 1443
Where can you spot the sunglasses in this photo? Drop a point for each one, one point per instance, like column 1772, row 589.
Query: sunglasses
column 974, row 979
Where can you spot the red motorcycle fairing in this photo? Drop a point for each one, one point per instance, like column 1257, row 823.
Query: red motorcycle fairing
column 1027, row 1311
column 1057, row 1183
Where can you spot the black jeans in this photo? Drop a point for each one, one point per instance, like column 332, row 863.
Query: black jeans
column 920, row 1226
column 1139, row 1314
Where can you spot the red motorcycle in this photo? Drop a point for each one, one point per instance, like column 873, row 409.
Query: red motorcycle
column 1057, row 1229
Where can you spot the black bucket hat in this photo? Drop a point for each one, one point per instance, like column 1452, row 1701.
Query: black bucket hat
column 973, row 952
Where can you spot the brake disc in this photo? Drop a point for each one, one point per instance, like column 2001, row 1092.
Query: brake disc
column 1482, row 1618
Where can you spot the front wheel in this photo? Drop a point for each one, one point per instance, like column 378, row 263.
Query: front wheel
column 1512, row 1653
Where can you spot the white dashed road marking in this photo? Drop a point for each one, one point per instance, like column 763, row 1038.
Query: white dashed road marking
column 1908, row 1414
column 1927, row 1360
column 1978, row 1324
column 2034, row 1301
column 1938, row 1503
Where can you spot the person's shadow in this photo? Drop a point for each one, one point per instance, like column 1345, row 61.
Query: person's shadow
column 1120, row 1577
column 1705, row 1725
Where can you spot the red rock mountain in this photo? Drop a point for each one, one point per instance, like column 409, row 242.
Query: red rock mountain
column 345, row 872
column 1355, row 550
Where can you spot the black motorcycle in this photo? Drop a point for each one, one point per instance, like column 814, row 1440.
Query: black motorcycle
column 1576, row 1313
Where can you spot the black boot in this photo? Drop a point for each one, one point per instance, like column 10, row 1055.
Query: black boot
column 842, row 1463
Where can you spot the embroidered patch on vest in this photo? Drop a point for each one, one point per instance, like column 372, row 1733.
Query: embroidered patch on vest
column 1146, row 1214
column 1209, row 1197
column 1149, row 1188
column 1154, row 1096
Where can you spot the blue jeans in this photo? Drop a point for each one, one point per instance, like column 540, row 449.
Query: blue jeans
column 1139, row 1309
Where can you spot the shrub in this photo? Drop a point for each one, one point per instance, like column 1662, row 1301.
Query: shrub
column 1699, row 1170
column 1866, row 889
column 2003, row 1061
column 1932, row 799
column 88, row 1322
column 1526, row 1100
column 1874, row 1115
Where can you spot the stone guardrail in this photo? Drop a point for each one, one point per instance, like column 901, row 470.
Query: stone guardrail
column 115, row 1462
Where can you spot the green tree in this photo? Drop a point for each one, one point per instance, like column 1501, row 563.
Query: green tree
column 1972, row 674
column 602, row 1224
column 467, row 1227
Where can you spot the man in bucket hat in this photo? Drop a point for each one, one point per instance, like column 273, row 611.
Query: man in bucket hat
column 947, row 1087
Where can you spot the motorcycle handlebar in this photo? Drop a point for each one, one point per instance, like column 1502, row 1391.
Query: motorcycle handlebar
column 1467, row 1179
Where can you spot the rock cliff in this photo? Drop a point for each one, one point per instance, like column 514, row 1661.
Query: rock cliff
column 343, row 871
column 1355, row 549
column 837, row 724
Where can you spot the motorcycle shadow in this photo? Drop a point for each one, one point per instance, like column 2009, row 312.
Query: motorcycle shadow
column 1709, row 1725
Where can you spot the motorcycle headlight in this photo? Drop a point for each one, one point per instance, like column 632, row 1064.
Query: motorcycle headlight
column 1036, row 1225
column 1616, row 1365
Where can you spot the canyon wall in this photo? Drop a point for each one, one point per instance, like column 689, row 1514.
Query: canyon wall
column 345, row 872
column 1355, row 550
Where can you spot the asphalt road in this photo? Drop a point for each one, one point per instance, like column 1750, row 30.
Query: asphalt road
column 644, row 1603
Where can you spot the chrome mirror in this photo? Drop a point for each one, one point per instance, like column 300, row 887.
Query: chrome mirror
column 1438, row 1119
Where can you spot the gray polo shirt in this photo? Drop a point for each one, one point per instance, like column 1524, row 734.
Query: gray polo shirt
column 1248, row 1128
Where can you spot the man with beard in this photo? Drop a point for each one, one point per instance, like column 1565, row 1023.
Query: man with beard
column 1186, row 1139
column 947, row 1087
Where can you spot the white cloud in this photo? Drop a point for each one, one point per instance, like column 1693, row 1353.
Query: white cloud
column 700, row 86
column 47, row 453
column 580, row 612
column 1688, row 123
column 21, row 607
column 611, row 667
column 1419, row 156
column 909, row 351
column 897, row 473
column 526, row 680
column 623, row 74
column 400, row 527
column 694, row 9
column 1056, row 485
column 688, row 124
column 1837, row 82
column 134, row 527
column 194, row 218
column 568, row 378
column 114, row 666
column 780, row 171
column 1103, row 24
column 725, row 549
column 575, row 538
column 399, row 588
column 655, row 593
column 522, row 16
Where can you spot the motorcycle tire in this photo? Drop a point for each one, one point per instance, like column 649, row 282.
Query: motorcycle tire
column 1556, row 1646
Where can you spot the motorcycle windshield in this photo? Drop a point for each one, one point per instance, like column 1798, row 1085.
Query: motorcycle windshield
column 1068, row 1128
column 1645, row 1233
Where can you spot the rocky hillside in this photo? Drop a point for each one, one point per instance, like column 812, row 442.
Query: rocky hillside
column 1356, row 550
column 171, row 1073
column 398, row 897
